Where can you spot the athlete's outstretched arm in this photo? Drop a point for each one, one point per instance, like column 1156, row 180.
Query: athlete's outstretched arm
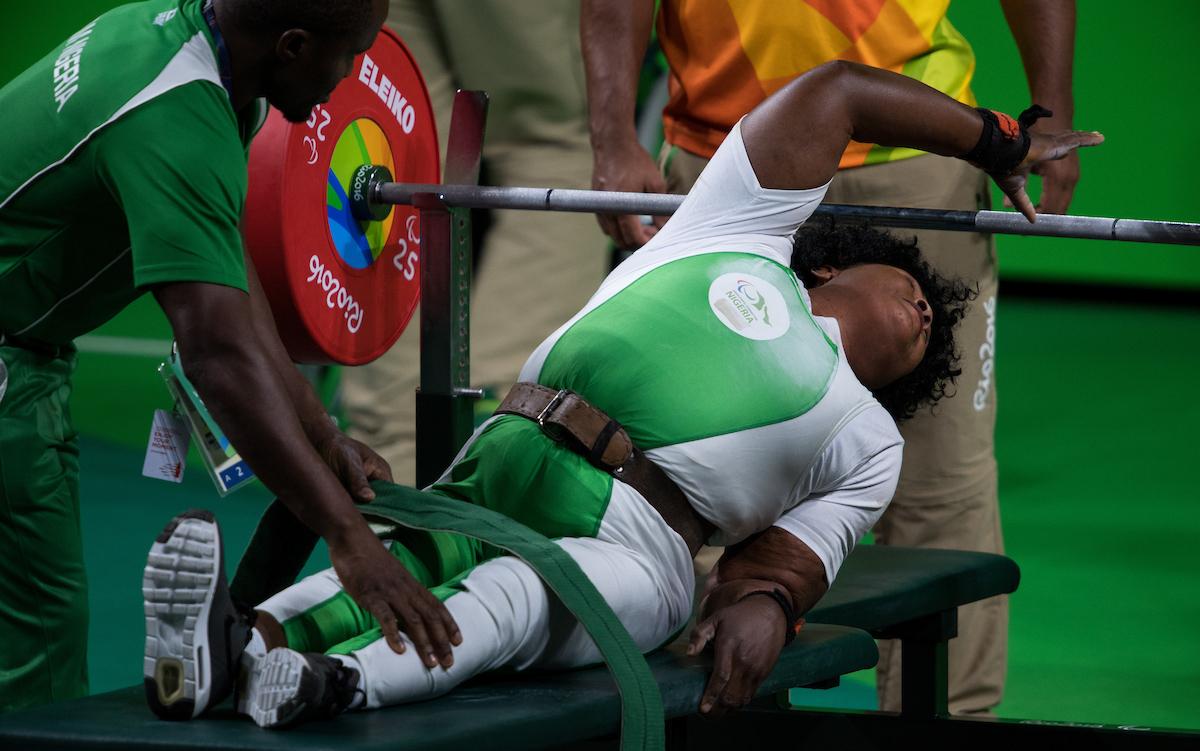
column 795, row 138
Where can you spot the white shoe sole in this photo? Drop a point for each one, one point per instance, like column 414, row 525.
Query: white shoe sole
column 178, row 586
column 271, row 690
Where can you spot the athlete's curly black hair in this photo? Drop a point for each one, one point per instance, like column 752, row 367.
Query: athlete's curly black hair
column 841, row 246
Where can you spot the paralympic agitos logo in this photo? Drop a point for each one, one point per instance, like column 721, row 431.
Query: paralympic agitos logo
column 755, row 299
column 749, row 306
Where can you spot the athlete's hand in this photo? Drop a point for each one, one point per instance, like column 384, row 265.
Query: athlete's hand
column 382, row 586
column 627, row 167
column 1058, row 183
column 355, row 464
column 1059, row 177
column 1044, row 148
column 747, row 637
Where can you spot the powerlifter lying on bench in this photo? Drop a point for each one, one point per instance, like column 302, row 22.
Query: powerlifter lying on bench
column 887, row 590
column 765, row 410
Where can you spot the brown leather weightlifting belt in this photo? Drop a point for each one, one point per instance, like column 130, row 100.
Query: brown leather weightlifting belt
column 567, row 418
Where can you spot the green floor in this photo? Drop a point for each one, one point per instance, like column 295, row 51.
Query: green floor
column 1095, row 438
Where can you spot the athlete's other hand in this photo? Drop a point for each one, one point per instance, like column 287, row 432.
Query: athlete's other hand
column 747, row 637
column 747, row 633
column 354, row 463
column 381, row 585
column 1044, row 148
column 627, row 167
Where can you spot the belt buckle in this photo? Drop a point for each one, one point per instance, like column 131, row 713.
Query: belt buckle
column 551, row 406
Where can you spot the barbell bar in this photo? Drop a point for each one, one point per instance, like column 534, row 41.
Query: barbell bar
column 381, row 192
column 340, row 258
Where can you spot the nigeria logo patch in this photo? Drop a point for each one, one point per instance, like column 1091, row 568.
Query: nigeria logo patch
column 749, row 306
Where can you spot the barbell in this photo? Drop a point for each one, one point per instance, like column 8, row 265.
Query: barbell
column 380, row 192
column 336, row 241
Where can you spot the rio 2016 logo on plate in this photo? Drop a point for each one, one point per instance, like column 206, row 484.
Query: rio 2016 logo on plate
column 342, row 290
column 358, row 243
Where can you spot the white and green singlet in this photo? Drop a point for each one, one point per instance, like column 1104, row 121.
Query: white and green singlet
column 704, row 347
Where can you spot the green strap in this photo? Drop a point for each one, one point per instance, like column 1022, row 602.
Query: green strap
column 641, row 703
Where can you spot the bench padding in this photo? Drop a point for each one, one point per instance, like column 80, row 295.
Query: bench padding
column 495, row 713
column 882, row 586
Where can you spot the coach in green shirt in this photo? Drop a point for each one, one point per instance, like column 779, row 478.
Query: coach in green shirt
column 123, row 171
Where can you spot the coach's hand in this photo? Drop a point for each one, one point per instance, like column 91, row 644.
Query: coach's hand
column 1044, row 148
column 381, row 585
column 627, row 167
column 747, row 636
column 354, row 463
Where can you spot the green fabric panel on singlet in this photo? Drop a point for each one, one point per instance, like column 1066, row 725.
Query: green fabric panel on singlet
column 95, row 206
column 443, row 556
column 642, row 725
column 512, row 467
column 656, row 349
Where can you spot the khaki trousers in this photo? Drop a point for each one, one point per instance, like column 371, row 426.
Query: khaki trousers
column 947, row 496
column 536, row 269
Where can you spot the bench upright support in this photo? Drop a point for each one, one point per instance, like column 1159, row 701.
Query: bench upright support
column 924, row 668
column 445, row 400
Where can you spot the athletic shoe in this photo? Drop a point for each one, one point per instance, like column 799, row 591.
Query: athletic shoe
column 194, row 633
column 286, row 687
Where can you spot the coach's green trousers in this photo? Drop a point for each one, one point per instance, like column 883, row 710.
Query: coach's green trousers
column 43, row 587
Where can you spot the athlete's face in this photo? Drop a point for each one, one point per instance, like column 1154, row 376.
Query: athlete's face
column 896, row 315
column 310, row 64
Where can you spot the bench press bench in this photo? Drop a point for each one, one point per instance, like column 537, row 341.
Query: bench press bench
column 902, row 593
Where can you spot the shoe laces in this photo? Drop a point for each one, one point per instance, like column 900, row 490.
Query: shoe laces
column 342, row 687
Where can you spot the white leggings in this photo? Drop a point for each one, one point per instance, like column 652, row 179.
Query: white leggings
column 508, row 617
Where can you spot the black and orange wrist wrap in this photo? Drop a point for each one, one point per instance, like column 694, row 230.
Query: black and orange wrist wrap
column 1004, row 142
column 794, row 624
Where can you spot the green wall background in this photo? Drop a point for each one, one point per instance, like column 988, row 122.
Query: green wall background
column 1135, row 72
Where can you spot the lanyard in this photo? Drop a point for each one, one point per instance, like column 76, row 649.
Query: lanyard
column 223, row 63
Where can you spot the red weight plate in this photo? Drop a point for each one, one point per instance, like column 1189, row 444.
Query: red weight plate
column 342, row 290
